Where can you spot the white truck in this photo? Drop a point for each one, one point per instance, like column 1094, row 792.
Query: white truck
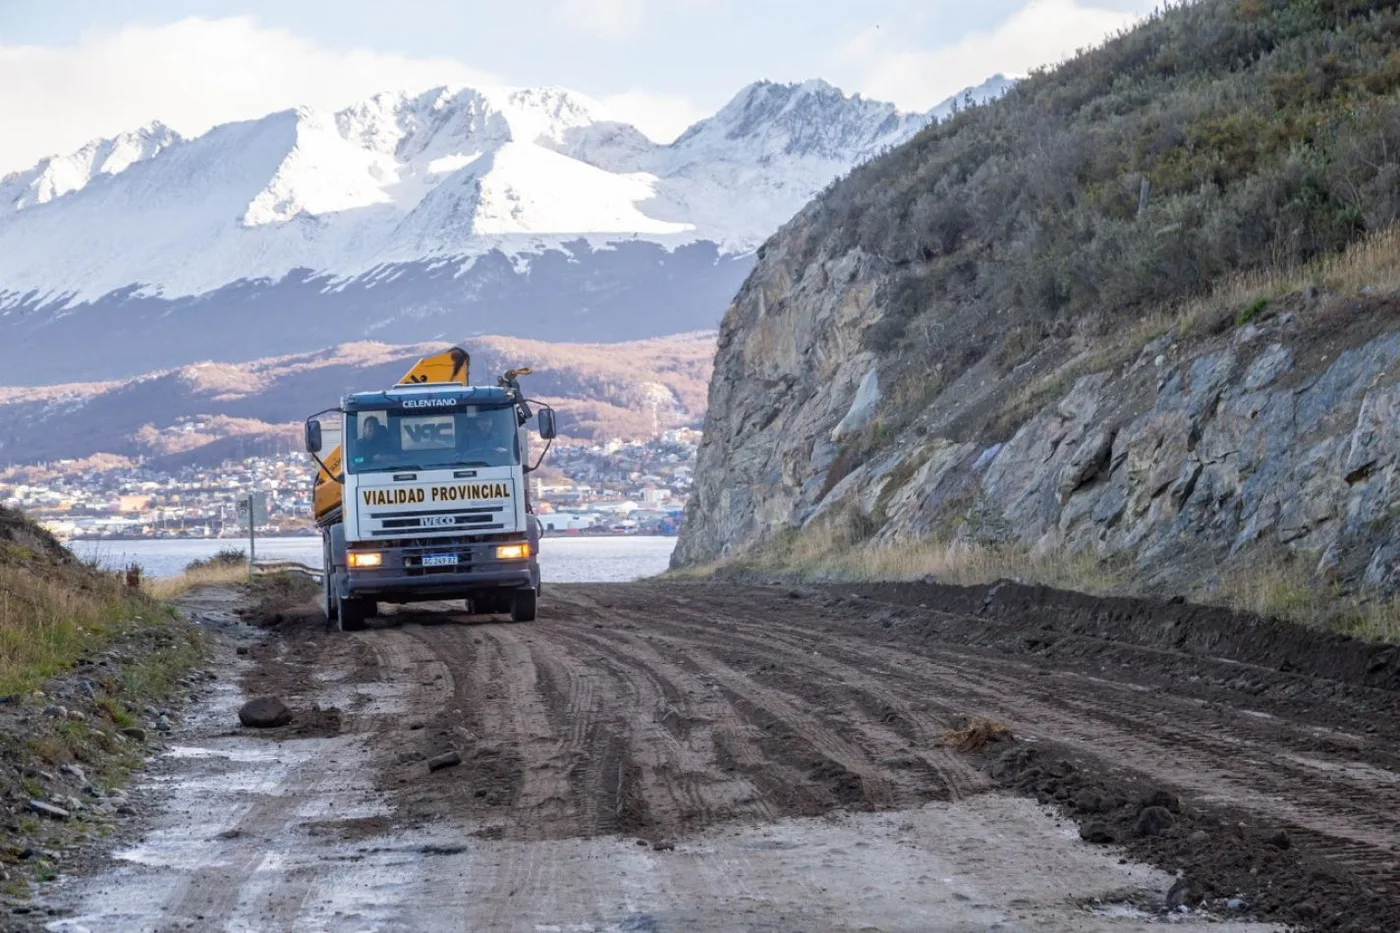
column 425, row 498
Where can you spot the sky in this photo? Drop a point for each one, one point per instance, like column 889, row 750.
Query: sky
column 74, row 70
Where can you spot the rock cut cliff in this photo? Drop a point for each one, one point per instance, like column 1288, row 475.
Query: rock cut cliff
column 1102, row 315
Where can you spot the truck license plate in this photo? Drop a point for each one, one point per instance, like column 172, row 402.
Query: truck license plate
column 439, row 560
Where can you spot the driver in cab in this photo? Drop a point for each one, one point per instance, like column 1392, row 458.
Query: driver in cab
column 374, row 440
column 478, row 437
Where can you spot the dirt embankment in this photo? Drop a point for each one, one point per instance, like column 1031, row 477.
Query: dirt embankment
column 94, row 676
column 1255, row 762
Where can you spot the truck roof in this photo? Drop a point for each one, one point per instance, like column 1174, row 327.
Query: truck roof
column 446, row 394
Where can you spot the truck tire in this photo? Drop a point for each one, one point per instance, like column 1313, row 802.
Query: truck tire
column 522, row 605
column 352, row 614
column 328, row 600
column 492, row 603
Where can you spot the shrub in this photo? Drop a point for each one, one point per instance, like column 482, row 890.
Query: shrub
column 1265, row 132
column 226, row 557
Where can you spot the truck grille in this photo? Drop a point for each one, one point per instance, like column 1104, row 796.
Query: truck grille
column 485, row 518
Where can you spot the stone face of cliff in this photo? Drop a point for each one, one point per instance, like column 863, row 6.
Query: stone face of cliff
column 1275, row 436
column 789, row 364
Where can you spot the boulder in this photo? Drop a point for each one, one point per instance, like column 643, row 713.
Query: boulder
column 264, row 713
column 1154, row 821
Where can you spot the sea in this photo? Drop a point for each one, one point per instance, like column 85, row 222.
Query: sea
column 562, row 559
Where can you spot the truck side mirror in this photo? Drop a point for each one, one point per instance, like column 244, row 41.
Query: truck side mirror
column 313, row 436
column 547, row 429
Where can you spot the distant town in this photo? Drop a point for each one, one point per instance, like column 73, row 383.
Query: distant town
column 618, row 487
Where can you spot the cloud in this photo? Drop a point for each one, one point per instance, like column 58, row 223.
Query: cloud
column 191, row 74
column 606, row 19
column 1042, row 32
column 662, row 117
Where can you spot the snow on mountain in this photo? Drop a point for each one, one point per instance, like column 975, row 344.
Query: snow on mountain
column 449, row 173
column 59, row 175
column 986, row 92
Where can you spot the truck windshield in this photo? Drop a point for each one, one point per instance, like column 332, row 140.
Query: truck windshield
column 390, row 439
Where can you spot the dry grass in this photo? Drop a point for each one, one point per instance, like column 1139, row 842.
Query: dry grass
column 976, row 734
column 833, row 551
column 1289, row 590
column 1370, row 263
column 48, row 619
column 217, row 575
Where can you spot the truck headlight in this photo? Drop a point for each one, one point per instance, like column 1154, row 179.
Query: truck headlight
column 361, row 559
column 512, row 552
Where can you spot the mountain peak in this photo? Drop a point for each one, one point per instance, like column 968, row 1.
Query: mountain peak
column 57, row 175
column 813, row 118
column 451, row 173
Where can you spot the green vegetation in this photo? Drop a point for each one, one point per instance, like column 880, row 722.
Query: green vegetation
column 1251, row 311
column 225, row 557
column 55, row 610
column 47, row 621
column 1221, row 140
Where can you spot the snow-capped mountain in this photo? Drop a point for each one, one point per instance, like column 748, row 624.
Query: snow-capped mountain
column 416, row 216
column 59, row 175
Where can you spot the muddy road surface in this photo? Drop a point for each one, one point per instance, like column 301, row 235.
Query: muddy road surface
column 668, row 756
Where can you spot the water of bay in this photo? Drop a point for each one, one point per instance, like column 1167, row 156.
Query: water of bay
column 562, row 560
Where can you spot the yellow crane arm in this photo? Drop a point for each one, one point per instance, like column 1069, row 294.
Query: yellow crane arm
column 448, row 366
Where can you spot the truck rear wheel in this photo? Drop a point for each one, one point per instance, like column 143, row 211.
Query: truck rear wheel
column 353, row 614
column 522, row 605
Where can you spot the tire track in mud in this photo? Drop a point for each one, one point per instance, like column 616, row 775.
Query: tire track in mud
column 868, row 746
column 1196, row 747
column 659, row 709
column 1210, row 749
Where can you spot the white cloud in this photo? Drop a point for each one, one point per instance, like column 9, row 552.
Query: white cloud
column 1043, row 32
column 662, row 117
column 191, row 74
column 606, row 19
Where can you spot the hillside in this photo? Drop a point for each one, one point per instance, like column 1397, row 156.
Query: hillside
column 207, row 412
column 409, row 217
column 1137, row 309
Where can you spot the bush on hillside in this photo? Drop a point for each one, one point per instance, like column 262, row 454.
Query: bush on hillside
column 1218, row 137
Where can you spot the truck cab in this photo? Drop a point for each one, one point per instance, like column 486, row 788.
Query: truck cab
column 433, row 501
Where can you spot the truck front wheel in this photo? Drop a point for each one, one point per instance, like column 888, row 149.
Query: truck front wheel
column 353, row 614
column 522, row 605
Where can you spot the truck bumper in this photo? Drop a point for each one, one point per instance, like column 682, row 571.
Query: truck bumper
column 402, row 578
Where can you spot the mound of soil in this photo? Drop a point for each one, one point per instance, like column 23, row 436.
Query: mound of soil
column 1223, row 857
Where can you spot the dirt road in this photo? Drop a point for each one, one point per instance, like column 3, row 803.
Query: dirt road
column 723, row 757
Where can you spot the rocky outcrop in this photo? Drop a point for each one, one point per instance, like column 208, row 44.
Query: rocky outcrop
column 1279, row 435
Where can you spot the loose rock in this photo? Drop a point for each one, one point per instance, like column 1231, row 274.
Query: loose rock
column 48, row 809
column 1096, row 832
column 1279, row 838
column 1088, row 801
column 445, row 760
column 135, row 732
column 1153, row 821
column 1185, row 893
column 264, row 713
